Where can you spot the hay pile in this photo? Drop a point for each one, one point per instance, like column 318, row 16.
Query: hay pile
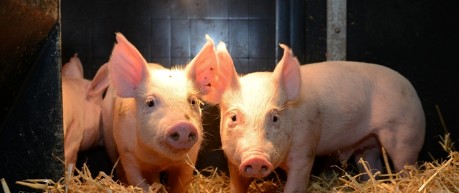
column 436, row 176
column 430, row 177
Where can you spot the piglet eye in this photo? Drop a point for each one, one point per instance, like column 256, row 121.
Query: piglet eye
column 194, row 101
column 233, row 118
column 150, row 102
column 275, row 118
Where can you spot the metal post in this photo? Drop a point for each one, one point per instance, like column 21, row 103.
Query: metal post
column 336, row 29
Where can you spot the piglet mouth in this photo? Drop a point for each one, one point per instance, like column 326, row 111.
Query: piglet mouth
column 255, row 166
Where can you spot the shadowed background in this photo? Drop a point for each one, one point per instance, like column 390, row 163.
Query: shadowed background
column 414, row 37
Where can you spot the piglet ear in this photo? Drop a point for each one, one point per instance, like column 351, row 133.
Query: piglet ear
column 73, row 68
column 203, row 70
column 287, row 74
column 227, row 74
column 99, row 83
column 226, row 77
column 127, row 67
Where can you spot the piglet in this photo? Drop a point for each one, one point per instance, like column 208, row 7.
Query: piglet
column 287, row 117
column 152, row 115
column 82, row 103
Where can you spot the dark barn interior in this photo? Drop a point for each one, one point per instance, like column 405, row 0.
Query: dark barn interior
column 416, row 38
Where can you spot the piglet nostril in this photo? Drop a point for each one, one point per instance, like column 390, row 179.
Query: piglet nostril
column 192, row 136
column 248, row 168
column 174, row 136
column 264, row 168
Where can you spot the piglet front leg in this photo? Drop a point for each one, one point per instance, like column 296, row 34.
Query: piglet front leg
column 179, row 178
column 298, row 171
column 299, row 164
column 133, row 175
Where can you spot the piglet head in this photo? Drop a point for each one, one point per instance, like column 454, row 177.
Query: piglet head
column 255, row 128
column 167, row 101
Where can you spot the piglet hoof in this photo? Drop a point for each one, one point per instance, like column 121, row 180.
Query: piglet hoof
column 255, row 167
column 182, row 135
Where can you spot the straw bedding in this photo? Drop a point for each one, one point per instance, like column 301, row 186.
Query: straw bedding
column 436, row 176
column 441, row 175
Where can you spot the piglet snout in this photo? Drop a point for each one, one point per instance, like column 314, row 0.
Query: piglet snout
column 182, row 135
column 255, row 167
